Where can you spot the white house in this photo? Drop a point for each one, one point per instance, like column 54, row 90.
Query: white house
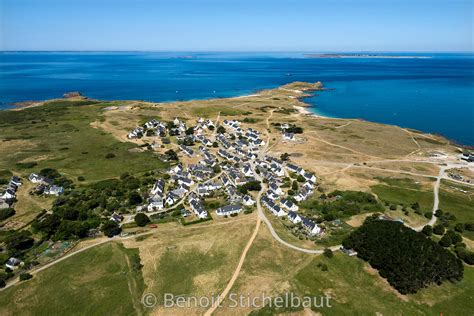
column 290, row 206
column 289, row 136
column 294, row 217
column 8, row 195
column 171, row 199
column 275, row 189
column 309, row 177
column 311, row 227
column 248, row 201
column 54, row 190
column 13, row 263
column 229, row 210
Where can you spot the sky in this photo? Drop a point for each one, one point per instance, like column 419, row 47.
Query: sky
column 230, row 25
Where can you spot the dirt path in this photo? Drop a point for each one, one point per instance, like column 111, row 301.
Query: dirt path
column 234, row 277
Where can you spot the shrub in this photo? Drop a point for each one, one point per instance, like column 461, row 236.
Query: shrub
column 25, row 276
column 459, row 227
column 427, row 230
column 438, row 229
column 111, row 228
column 328, row 253
column 81, row 178
column 445, row 241
column 110, row 156
column 6, row 213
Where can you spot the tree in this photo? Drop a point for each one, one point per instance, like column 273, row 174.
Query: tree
column 19, row 240
column 328, row 253
column 141, row 219
column 294, row 186
column 221, row 129
column 189, row 131
column 379, row 242
column 427, row 230
column 454, row 236
column 6, row 213
column 47, row 224
column 438, row 229
column 445, row 241
column 172, row 155
column 459, row 227
column 111, row 228
column 300, row 178
column 215, row 144
column 285, row 156
column 2, row 283
column 134, row 198
column 415, row 206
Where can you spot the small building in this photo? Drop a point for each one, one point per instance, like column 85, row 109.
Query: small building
column 290, row 206
column 229, row 210
column 13, row 263
column 247, row 200
column 116, row 218
column 53, row 190
column 294, row 217
column 311, row 227
column 349, row 252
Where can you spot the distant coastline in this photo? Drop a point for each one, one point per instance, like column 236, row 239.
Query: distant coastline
column 358, row 55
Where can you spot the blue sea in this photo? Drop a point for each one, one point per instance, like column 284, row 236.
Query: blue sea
column 435, row 94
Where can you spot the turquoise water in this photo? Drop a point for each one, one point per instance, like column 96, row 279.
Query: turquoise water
column 434, row 94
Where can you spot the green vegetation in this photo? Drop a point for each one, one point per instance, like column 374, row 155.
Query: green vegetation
column 398, row 251
column 250, row 186
column 98, row 281
column 56, row 135
column 460, row 208
column 178, row 272
column 6, row 213
column 404, row 196
column 141, row 219
column 209, row 111
column 342, row 204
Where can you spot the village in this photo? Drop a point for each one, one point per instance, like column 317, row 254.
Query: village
column 231, row 163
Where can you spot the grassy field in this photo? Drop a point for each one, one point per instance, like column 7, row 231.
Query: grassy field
column 98, row 281
column 195, row 260
column 59, row 135
column 458, row 203
column 406, row 196
column 75, row 136
column 354, row 287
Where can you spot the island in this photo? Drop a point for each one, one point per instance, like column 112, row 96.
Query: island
column 245, row 195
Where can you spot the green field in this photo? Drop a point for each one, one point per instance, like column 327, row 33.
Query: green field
column 59, row 135
column 404, row 196
column 355, row 289
column 459, row 204
column 98, row 281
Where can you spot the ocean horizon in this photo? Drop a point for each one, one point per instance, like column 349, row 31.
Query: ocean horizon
column 434, row 95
